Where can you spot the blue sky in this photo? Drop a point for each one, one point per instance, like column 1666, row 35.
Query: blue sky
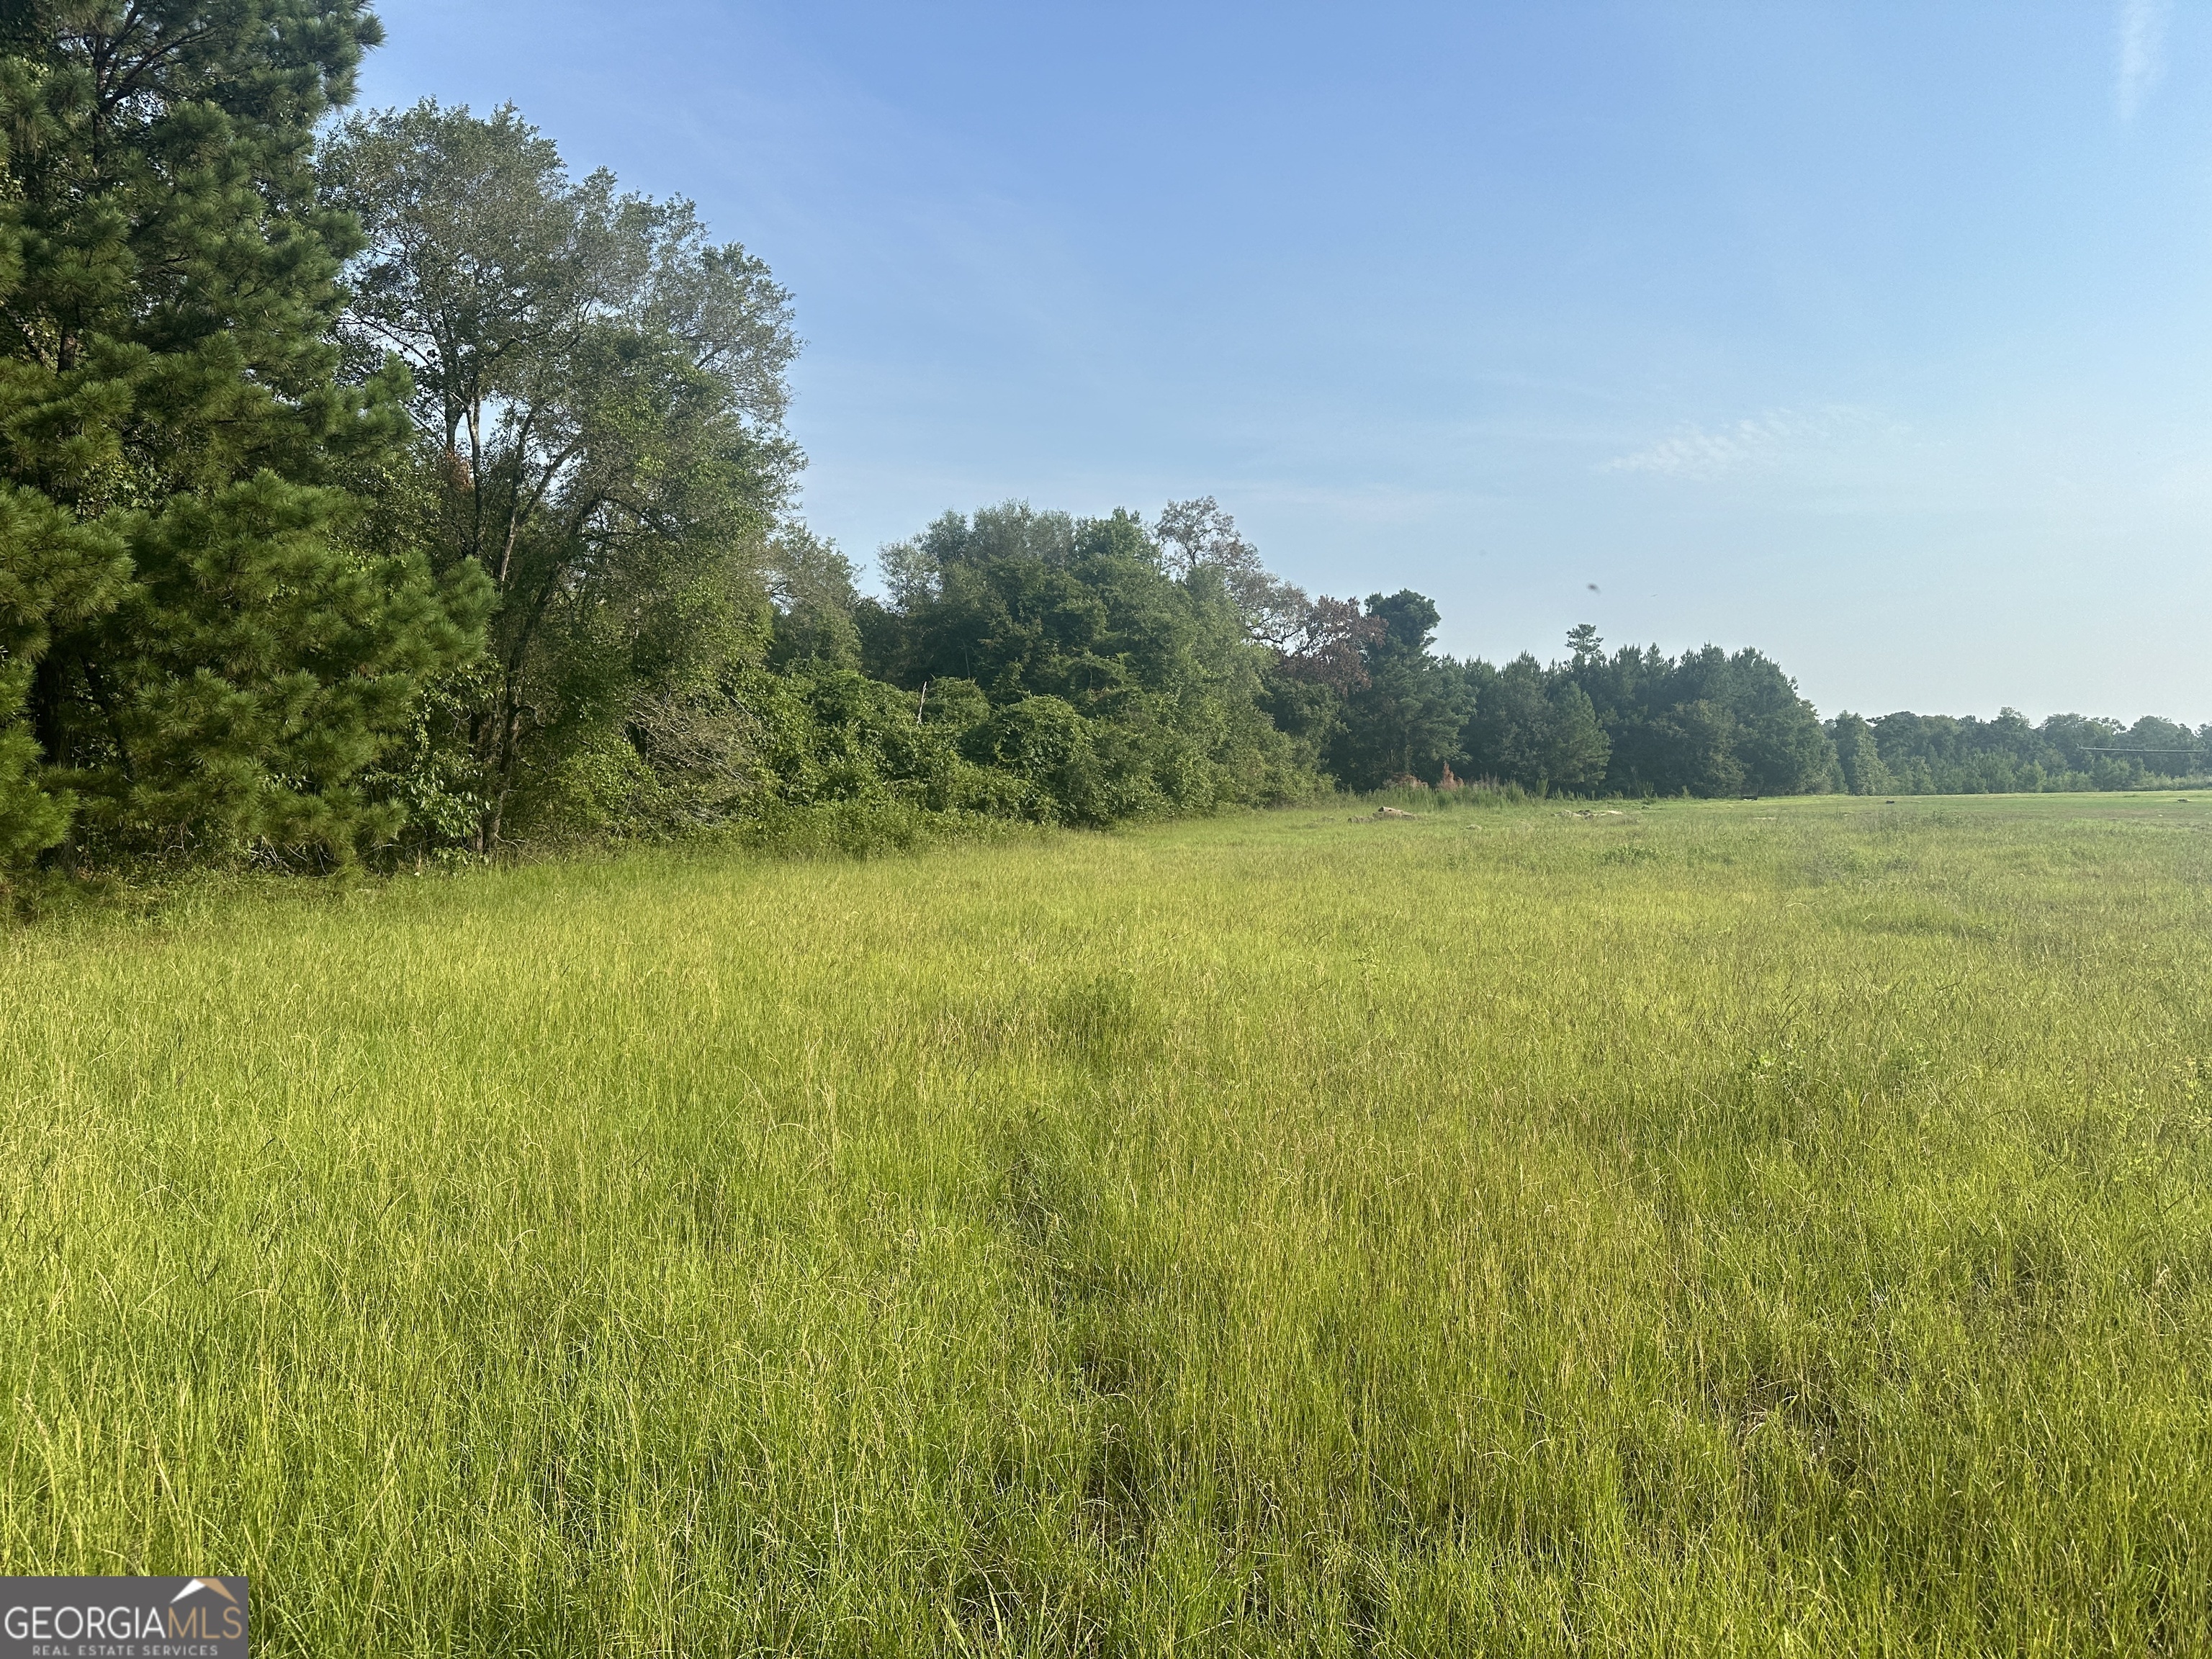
column 1877, row 337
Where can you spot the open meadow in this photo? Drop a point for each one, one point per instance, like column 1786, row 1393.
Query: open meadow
column 1715, row 1227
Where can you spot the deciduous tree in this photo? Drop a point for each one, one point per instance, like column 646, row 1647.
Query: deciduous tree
column 604, row 387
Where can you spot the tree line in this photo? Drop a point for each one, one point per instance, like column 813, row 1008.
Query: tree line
column 374, row 485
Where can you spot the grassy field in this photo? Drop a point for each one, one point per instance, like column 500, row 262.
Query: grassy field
column 1753, row 1227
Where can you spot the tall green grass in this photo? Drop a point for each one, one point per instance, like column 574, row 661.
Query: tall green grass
column 1753, row 1228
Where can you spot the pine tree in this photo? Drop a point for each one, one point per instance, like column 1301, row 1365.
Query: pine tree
column 196, row 654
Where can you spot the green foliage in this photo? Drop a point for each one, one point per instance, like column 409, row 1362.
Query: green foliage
column 1858, row 756
column 1534, row 729
column 259, row 668
column 1708, row 723
column 408, row 490
column 1045, row 745
column 2167, row 749
column 1117, row 685
column 600, row 391
column 198, row 657
column 56, row 571
column 812, row 585
column 1404, row 716
column 1941, row 754
column 1639, row 723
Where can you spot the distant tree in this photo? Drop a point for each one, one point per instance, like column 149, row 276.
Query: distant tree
column 815, row 598
column 1330, row 644
column 1312, row 666
column 1782, row 747
column 999, row 599
column 1149, row 646
column 1406, row 721
column 1196, row 532
column 1941, row 754
column 1198, row 536
column 1681, row 748
column 2069, row 746
column 1535, row 728
column 2164, row 747
column 1859, row 756
column 1708, row 722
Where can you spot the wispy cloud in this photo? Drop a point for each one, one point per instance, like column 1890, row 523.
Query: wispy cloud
column 1762, row 440
column 2142, row 53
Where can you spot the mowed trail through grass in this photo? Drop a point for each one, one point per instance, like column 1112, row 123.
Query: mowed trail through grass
column 1744, row 1227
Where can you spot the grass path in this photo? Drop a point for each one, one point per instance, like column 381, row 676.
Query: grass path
column 1746, row 1227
